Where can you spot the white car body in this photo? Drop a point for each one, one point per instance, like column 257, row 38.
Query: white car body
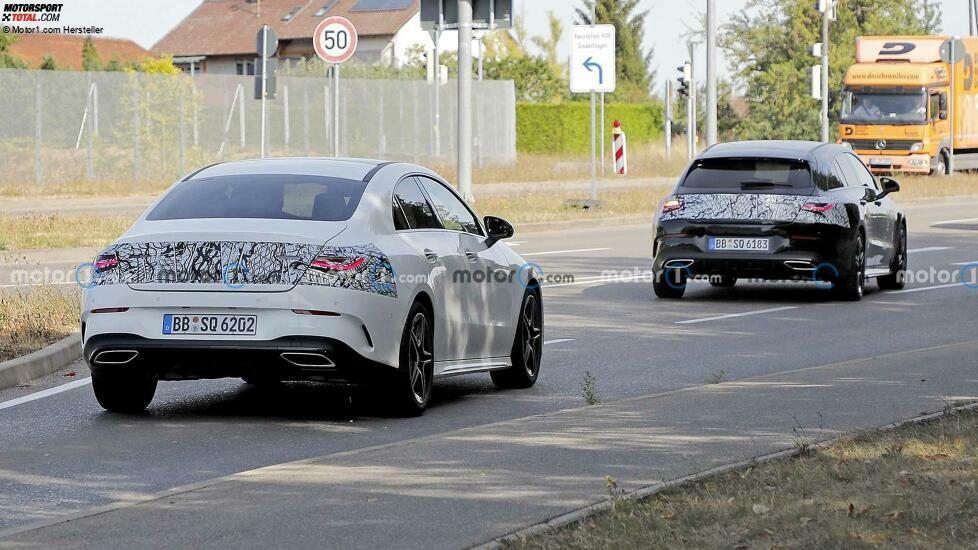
column 161, row 267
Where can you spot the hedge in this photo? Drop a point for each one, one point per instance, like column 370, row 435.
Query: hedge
column 565, row 127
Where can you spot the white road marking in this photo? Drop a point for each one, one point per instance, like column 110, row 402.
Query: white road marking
column 602, row 279
column 549, row 252
column 972, row 262
column 946, row 222
column 923, row 288
column 558, row 341
column 732, row 315
column 46, row 393
column 929, row 249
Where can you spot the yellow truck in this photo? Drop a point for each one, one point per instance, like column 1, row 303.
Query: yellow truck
column 897, row 106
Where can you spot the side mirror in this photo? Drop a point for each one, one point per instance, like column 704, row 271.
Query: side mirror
column 889, row 185
column 497, row 228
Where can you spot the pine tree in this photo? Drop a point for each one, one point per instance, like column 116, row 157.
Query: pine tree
column 90, row 61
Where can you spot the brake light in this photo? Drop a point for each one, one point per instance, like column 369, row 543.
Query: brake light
column 337, row 264
column 671, row 204
column 110, row 310
column 817, row 207
column 106, row 263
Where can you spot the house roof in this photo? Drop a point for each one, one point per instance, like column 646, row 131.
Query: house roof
column 67, row 49
column 221, row 27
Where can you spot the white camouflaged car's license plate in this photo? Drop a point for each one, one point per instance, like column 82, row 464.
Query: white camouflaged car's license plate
column 218, row 324
column 739, row 243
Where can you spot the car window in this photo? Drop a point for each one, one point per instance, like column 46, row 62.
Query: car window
column 841, row 174
column 268, row 196
column 415, row 208
column 452, row 212
column 749, row 174
column 863, row 176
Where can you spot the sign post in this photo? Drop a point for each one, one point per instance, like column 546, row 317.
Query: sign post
column 267, row 45
column 335, row 40
column 592, row 70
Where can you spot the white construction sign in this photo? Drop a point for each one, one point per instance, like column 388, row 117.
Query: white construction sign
column 592, row 58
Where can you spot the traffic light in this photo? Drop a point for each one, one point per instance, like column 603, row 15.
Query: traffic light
column 686, row 71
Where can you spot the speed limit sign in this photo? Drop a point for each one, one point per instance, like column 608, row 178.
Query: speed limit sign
column 335, row 39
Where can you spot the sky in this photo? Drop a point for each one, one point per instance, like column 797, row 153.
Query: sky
column 146, row 21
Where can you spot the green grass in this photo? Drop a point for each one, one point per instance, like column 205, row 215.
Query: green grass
column 57, row 231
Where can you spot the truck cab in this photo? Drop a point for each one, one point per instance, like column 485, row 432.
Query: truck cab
column 896, row 110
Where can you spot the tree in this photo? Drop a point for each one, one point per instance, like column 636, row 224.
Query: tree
column 633, row 74
column 8, row 61
column 769, row 43
column 549, row 44
column 534, row 77
column 48, row 63
column 90, row 60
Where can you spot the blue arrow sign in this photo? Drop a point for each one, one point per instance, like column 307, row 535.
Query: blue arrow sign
column 588, row 64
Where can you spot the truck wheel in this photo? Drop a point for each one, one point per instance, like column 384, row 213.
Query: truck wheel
column 941, row 168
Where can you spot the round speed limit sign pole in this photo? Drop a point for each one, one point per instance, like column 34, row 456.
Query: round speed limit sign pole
column 335, row 40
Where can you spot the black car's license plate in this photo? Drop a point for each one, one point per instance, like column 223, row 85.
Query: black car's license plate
column 739, row 243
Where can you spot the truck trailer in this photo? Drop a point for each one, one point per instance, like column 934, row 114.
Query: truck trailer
column 900, row 100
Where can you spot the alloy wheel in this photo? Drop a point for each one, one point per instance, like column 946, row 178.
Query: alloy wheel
column 420, row 363
column 531, row 333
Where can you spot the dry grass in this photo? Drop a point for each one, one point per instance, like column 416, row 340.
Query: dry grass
column 914, row 487
column 56, row 231
column 36, row 317
column 546, row 207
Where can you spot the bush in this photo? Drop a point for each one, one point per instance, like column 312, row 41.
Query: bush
column 565, row 127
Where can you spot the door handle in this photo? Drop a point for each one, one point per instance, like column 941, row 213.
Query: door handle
column 472, row 256
column 430, row 255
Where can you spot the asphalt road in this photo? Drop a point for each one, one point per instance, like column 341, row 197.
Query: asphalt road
column 61, row 454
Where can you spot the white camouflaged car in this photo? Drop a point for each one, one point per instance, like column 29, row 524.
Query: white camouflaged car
column 354, row 270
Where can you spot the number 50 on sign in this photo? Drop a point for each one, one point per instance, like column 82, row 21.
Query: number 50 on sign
column 335, row 39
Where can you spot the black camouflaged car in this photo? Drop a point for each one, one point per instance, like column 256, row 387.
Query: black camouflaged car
column 780, row 210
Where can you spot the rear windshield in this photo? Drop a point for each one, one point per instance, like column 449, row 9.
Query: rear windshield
column 755, row 175
column 269, row 196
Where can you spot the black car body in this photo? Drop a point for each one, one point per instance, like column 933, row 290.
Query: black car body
column 779, row 210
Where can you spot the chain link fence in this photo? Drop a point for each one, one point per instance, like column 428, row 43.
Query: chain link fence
column 76, row 127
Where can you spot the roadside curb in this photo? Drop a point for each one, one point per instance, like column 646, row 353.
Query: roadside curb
column 40, row 363
column 649, row 490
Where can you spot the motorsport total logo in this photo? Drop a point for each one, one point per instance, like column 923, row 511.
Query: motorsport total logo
column 31, row 13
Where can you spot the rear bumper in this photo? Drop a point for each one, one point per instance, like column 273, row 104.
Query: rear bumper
column 286, row 358
column 799, row 252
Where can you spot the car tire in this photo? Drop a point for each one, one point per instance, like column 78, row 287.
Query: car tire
column 896, row 280
column 409, row 391
column 123, row 392
column 724, row 281
column 852, row 285
column 673, row 289
column 527, row 350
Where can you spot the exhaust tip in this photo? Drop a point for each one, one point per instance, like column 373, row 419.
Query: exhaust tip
column 800, row 265
column 115, row 357
column 681, row 263
column 308, row 359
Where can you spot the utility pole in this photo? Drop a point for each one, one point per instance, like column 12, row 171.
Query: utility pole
column 826, row 7
column 668, row 117
column 691, row 120
column 711, row 72
column 465, row 99
column 594, row 167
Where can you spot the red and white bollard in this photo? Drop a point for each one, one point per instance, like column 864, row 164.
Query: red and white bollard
column 618, row 149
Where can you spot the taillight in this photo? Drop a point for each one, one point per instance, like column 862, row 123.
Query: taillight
column 671, row 204
column 337, row 263
column 110, row 310
column 817, row 207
